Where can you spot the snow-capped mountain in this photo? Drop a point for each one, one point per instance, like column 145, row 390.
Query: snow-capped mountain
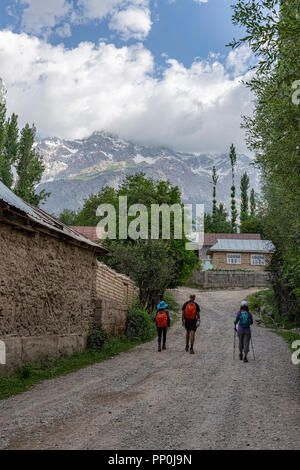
column 77, row 168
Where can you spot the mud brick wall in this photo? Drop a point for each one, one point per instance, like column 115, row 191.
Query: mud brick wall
column 114, row 292
column 50, row 292
column 47, row 295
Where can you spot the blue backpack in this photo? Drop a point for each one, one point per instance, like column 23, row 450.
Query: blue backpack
column 244, row 319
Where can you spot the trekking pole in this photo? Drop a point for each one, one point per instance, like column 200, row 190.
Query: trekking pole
column 252, row 348
column 234, row 334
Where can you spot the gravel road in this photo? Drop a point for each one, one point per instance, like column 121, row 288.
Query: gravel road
column 143, row 399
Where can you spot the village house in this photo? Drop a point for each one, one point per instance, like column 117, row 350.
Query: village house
column 52, row 286
column 233, row 254
column 210, row 239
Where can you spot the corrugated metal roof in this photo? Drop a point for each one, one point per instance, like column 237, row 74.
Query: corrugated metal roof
column 12, row 200
column 42, row 218
column 255, row 246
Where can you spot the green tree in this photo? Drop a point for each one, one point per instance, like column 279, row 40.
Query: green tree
column 68, row 217
column 154, row 264
column 232, row 156
column 252, row 204
column 215, row 179
column 2, row 128
column 149, row 263
column 244, row 215
column 221, row 224
column 30, row 168
column 273, row 134
column 10, row 150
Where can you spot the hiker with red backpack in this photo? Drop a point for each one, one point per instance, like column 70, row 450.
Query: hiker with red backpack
column 190, row 320
column 162, row 323
column 245, row 320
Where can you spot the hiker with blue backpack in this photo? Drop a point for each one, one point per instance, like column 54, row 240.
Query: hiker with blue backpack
column 162, row 323
column 244, row 319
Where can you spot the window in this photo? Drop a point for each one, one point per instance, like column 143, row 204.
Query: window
column 258, row 260
column 234, row 259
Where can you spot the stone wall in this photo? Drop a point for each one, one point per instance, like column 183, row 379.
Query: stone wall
column 47, row 295
column 232, row 279
column 219, row 261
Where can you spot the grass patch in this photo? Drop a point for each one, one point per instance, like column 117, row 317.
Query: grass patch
column 29, row 374
column 264, row 301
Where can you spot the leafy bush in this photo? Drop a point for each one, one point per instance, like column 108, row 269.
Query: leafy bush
column 139, row 323
column 97, row 337
column 25, row 371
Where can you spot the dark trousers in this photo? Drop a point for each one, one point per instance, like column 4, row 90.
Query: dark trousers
column 244, row 340
column 162, row 331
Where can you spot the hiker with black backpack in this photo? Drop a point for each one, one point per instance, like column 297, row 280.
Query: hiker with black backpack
column 162, row 323
column 191, row 321
column 245, row 319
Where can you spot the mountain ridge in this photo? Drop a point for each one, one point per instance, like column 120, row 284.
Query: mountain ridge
column 74, row 169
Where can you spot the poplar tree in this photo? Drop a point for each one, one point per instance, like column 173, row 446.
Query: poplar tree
column 244, row 198
column 252, row 204
column 232, row 156
column 215, row 179
column 2, row 125
column 10, row 150
column 30, row 168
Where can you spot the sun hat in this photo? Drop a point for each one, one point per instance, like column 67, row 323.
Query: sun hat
column 162, row 305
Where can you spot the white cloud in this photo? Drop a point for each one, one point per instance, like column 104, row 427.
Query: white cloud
column 240, row 59
column 130, row 18
column 95, row 9
column 133, row 22
column 72, row 93
column 64, row 31
column 41, row 16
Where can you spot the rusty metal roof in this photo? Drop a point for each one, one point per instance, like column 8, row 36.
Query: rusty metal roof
column 9, row 199
column 212, row 238
column 88, row 231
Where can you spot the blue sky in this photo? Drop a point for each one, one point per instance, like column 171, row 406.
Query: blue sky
column 182, row 29
column 126, row 63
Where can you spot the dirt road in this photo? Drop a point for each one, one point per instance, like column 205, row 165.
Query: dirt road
column 169, row 400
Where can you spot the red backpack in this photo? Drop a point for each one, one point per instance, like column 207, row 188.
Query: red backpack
column 161, row 319
column 190, row 311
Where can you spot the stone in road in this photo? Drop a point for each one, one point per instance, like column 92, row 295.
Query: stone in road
column 142, row 399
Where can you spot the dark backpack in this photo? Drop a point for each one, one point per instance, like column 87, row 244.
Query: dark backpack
column 244, row 319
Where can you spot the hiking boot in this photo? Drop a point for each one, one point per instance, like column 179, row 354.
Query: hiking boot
column 241, row 356
column 245, row 359
column 187, row 347
column 159, row 348
column 164, row 346
column 192, row 351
